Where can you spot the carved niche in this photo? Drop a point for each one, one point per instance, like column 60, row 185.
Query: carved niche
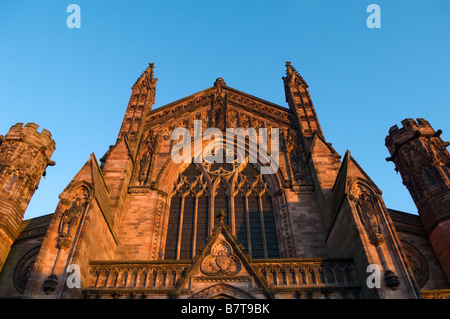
column 21, row 168
column 69, row 217
column 368, row 209
column 145, row 158
column 291, row 146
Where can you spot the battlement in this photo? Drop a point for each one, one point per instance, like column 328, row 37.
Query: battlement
column 411, row 129
column 28, row 133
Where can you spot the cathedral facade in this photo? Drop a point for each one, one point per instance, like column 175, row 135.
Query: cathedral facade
column 155, row 219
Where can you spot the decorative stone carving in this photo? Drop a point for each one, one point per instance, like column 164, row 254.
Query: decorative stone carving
column 391, row 279
column 23, row 269
column 418, row 264
column 166, row 134
column 221, row 261
column 370, row 218
column 50, row 284
column 367, row 207
column 246, row 184
column 290, row 145
column 196, row 184
column 68, row 219
column 296, row 162
column 225, row 168
column 147, row 151
column 222, row 291
column 219, row 118
column 232, row 117
column 244, row 121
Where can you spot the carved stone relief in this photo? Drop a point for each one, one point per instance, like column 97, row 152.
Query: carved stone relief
column 145, row 158
column 418, row 263
column 366, row 204
column 23, row 269
column 221, row 261
column 68, row 220
column 69, row 217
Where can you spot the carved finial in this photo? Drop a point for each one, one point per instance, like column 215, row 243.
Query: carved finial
column 292, row 74
column 149, row 74
column 148, row 77
column 288, row 68
column 149, row 70
column 220, row 82
column 221, row 215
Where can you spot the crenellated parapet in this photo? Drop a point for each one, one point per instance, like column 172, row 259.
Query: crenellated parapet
column 421, row 157
column 29, row 135
column 24, row 156
column 410, row 131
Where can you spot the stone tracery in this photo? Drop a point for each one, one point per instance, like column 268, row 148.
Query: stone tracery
column 236, row 188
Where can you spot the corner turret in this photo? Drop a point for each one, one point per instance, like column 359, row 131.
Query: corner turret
column 421, row 157
column 24, row 156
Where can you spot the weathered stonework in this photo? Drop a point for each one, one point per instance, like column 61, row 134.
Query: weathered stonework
column 141, row 225
column 24, row 156
column 421, row 157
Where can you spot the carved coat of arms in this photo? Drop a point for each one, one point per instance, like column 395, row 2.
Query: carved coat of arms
column 221, row 261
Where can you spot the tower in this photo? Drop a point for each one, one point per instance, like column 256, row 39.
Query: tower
column 421, row 157
column 24, row 156
column 118, row 163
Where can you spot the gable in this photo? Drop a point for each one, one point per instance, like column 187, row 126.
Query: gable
column 221, row 267
column 235, row 105
column 216, row 107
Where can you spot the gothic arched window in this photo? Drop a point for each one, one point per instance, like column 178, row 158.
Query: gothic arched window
column 253, row 212
column 242, row 193
column 188, row 215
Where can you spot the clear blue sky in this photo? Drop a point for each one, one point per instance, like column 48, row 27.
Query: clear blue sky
column 76, row 82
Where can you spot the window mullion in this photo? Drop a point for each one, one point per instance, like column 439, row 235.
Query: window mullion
column 263, row 231
column 247, row 222
column 180, row 227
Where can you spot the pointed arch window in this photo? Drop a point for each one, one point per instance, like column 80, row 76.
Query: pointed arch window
column 199, row 194
column 187, row 225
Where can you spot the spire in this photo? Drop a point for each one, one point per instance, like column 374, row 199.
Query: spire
column 300, row 103
column 292, row 74
column 147, row 78
column 141, row 102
